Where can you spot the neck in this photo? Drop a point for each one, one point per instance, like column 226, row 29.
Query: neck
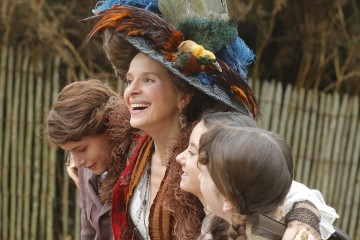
column 202, row 200
column 164, row 139
column 164, row 129
column 161, row 154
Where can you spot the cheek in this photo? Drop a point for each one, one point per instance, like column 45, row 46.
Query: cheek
column 95, row 152
column 163, row 94
column 195, row 174
column 207, row 189
column 203, row 187
column 77, row 156
column 126, row 97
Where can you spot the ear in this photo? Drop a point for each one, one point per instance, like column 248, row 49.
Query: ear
column 184, row 99
column 227, row 206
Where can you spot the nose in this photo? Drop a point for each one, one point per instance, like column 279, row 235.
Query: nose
column 179, row 158
column 79, row 162
column 134, row 87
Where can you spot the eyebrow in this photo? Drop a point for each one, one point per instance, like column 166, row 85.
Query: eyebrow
column 144, row 73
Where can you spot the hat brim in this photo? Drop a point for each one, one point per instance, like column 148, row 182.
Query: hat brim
column 211, row 90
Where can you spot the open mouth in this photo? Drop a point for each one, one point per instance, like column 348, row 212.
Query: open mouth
column 139, row 106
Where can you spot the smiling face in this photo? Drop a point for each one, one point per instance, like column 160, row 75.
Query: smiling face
column 188, row 160
column 90, row 152
column 151, row 96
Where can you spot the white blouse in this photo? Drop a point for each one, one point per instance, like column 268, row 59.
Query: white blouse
column 140, row 221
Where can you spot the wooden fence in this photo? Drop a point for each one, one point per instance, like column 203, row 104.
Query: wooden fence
column 38, row 201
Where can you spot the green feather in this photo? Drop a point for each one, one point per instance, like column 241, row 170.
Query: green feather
column 173, row 11
column 206, row 60
column 177, row 11
column 181, row 60
column 217, row 9
column 211, row 34
column 203, row 21
column 199, row 7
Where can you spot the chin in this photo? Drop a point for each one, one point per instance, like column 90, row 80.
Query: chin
column 183, row 187
column 135, row 123
column 99, row 172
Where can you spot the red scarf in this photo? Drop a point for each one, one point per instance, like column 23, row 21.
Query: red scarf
column 120, row 225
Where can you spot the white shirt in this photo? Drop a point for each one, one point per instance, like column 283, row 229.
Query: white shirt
column 140, row 221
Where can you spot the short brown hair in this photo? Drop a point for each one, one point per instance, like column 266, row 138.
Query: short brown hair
column 81, row 109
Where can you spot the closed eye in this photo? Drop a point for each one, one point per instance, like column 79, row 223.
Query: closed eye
column 81, row 150
column 191, row 153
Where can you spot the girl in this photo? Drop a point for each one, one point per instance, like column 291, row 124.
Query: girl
column 78, row 122
column 258, row 170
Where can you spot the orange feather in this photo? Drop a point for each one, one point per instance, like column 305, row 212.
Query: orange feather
column 132, row 21
column 229, row 78
column 240, row 94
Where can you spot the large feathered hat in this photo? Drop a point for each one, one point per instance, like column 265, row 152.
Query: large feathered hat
column 194, row 39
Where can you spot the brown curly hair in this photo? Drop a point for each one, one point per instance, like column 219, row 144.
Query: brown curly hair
column 121, row 135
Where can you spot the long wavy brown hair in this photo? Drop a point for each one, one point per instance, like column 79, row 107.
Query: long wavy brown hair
column 258, row 166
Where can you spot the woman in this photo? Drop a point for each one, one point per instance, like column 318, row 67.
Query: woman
column 258, row 166
column 155, row 104
column 77, row 123
column 190, row 182
column 170, row 83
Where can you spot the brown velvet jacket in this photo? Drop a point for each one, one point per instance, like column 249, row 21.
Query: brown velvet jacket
column 159, row 218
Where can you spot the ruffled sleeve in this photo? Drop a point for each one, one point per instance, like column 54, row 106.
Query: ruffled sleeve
column 300, row 192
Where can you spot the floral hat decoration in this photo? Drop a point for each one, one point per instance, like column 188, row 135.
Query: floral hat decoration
column 195, row 39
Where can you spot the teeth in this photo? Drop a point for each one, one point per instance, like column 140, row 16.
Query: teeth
column 136, row 105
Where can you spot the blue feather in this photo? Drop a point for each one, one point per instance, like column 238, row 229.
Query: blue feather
column 150, row 5
column 237, row 55
column 205, row 79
